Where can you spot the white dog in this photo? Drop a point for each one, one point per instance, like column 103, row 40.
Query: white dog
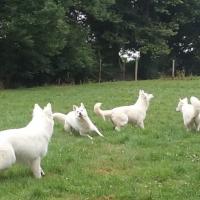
column 134, row 114
column 196, row 103
column 189, row 113
column 29, row 144
column 77, row 120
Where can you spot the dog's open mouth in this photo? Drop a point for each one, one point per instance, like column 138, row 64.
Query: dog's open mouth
column 80, row 115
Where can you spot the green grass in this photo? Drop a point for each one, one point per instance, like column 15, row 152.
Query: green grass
column 160, row 162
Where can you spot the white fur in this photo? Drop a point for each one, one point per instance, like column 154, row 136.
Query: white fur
column 134, row 114
column 188, row 111
column 196, row 103
column 29, row 144
column 78, row 120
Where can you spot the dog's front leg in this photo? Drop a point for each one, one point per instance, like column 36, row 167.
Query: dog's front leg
column 198, row 127
column 36, row 168
column 141, row 124
column 42, row 172
column 97, row 131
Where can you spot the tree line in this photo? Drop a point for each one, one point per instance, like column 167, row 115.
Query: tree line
column 71, row 41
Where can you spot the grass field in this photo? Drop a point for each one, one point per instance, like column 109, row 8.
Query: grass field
column 160, row 162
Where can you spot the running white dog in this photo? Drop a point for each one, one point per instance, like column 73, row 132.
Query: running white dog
column 77, row 120
column 189, row 113
column 29, row 144
column 196, row 103
column 134, row 114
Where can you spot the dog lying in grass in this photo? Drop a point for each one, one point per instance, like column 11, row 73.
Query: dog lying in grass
column 29, row 144
column 188, row 112
column 77, row 120
column 134, row 114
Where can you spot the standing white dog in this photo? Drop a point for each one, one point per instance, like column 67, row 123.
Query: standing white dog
column 196, row 103
column 189, row 113
column 134, row 114
column 78, row 120
column 29, row 144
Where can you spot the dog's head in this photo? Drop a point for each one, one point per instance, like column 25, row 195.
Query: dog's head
column 46, row 112
column 147, row 97
column 80, row 112
column 180, row 104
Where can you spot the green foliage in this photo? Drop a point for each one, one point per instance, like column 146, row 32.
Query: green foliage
column 77, row 59
column 63, row 41
column 34, row 32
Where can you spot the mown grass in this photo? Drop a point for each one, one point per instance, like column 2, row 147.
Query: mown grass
column 160, row 162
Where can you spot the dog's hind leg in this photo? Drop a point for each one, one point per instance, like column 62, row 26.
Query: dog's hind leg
column 119, row 120
column 7, row 156
column 198, row 127
column 36, row 168
column 117, row 128
column 68, row 128
column 86, row 135
column 188, row 125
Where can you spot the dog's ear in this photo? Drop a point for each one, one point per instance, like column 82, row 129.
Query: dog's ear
column 82, row 105
column 36, row 109
column 48, row 109
column 48, row 106
column 75, row 107
column 141, row 92
column 185, row 99
column 36, row 106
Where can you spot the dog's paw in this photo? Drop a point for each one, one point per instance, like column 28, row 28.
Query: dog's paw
column 117, row 129
column 42, row 173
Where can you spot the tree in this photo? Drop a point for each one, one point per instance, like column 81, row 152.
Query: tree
column 63, row 41
column 185, row 44
column 31, row 33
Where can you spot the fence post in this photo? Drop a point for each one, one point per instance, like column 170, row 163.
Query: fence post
column 136, row 69
column 173, row 68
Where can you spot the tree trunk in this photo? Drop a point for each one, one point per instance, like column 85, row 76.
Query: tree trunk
column 122, row 66
column 123, row 71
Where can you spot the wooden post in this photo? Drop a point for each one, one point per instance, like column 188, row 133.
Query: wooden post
column 173, row 68
column 124, row 71
column 136, row 69
column 100, row 68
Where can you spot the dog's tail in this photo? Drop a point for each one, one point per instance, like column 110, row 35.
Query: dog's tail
column 102, row 113
column 59, row 117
